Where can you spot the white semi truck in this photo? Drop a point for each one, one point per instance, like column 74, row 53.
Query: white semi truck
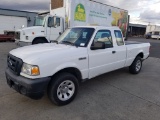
column 47, row 28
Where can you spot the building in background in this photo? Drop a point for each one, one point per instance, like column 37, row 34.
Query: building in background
column 151, row 28
column 136, row 30
column 153, row 31
column 56, row 4
column 12, row 20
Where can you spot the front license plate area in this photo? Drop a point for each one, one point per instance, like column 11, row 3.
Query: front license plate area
column 12, row 84
column 9, row 82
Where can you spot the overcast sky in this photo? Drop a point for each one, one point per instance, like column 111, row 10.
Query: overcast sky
column 141, row 11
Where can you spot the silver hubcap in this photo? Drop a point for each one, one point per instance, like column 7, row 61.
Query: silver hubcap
column 65, row 90
column 138, row 65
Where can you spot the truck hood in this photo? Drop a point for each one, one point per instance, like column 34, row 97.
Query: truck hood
column 32, row 28
column 32, row 54
column 29, row 30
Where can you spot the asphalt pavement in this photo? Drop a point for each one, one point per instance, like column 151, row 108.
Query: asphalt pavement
column 117, row 95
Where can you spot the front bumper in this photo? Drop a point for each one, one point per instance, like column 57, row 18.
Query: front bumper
column 34, row 89
column 21, row 43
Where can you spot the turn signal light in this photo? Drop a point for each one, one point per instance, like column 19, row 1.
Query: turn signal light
column 35, row 71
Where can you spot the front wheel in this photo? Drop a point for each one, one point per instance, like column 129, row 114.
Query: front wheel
column 39, row 41
column 136, row 66
column 63, row 89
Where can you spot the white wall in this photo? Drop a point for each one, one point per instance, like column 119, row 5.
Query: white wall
column 151, row 28
column 11, row 23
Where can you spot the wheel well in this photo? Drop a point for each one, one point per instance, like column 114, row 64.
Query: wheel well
column 141, row 55
column 71, row 70
column 43, row 38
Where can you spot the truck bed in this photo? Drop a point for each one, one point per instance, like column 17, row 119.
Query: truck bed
column 134, row 48
column 133, row 42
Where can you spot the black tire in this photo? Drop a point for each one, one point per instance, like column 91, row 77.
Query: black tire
column 55, row 86
column 38, row 41
column 134, row 69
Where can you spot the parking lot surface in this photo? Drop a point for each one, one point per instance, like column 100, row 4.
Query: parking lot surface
column 116, row 95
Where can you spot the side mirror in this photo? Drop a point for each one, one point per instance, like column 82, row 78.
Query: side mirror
column 22, row 26
column 55, row 21
column 49, row 22
column 98, row 45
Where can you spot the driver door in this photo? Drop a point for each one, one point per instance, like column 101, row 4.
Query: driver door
column 55, row 28
column 102, row 60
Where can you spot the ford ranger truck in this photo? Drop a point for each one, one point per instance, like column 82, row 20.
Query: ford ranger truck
column 80, row 53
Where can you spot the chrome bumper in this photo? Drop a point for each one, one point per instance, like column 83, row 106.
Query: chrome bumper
column 21, row 44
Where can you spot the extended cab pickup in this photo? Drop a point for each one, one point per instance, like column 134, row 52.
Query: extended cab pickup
column 80, row 53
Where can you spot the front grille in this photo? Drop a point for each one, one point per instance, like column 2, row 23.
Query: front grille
column 14, row 64
column 17, row 35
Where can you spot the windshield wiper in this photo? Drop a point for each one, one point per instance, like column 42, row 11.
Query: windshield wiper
column 67, row 42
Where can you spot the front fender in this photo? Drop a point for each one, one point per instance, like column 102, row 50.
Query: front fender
column 84, row 72
column 33, row 37
column 64, row 66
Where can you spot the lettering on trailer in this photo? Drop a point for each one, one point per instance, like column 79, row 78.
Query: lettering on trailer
column 80, row 13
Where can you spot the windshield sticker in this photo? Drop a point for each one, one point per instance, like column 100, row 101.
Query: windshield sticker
column 82, row 44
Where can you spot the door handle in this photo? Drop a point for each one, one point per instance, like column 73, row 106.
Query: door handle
column 113, row 52
column 60, row 33
column 83, row 58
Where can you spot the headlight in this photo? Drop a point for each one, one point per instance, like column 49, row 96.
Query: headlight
column 32, row 70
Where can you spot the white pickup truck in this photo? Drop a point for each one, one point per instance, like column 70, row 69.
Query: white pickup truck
column 80, row 53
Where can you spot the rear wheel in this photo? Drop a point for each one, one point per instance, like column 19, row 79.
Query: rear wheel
column 136, row 66
column 63, row 89
column 38, row 41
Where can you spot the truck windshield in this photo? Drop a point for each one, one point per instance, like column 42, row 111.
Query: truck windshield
column 39, row 21
column 76, row 36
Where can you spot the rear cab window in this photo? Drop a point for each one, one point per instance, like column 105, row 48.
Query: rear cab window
column 119, row 37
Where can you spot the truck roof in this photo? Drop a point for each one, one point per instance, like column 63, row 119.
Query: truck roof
column 100, row 27
column 108, row 5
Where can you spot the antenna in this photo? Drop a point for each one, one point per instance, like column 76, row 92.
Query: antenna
column 50, row 7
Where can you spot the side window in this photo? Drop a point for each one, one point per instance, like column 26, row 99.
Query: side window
column 104, row 36
column 50, row 22
column 119, row 37
column 156, row 33
column 58, row 22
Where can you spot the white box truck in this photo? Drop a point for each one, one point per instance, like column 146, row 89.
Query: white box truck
column 151, row 28
column 47, row 28
column 152, row 31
